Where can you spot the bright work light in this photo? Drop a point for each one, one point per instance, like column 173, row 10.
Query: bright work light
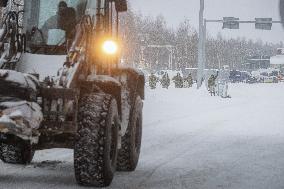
column 110, row 47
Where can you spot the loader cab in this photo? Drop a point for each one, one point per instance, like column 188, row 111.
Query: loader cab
column 64, row 28
column 49, row 25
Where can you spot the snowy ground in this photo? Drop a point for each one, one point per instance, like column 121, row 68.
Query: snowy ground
column 191, row 140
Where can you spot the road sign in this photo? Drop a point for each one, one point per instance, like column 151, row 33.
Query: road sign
column 231, row 23
column 263, row 23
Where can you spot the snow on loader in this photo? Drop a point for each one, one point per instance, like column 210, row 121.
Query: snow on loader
column 61, row 86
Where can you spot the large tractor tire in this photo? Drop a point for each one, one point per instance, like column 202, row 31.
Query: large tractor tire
column 19, row 153
column 129, row 153
column 96, row 147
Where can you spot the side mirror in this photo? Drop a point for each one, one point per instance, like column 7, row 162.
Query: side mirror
column 3, row 3
column 121, row 5
column 281, row 7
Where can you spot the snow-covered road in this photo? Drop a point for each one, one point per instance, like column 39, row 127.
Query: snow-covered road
column 190, row 140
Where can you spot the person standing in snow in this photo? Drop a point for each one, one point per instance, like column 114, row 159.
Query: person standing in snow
column 178, row 80
column 189, row 80
column 153, row 80
column 165, row 81
column 212, row 84
column 223, row 80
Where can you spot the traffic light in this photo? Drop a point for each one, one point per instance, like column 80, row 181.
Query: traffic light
column 263, row 23
column 231, row 23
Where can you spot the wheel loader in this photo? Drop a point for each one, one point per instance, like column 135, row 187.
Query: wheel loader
column 63, row 85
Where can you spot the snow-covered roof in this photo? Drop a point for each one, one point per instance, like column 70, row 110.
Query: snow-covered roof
column 277, row 60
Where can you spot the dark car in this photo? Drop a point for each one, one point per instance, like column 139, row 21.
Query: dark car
column 251, row 80
column 235, row 76
column 238, row 76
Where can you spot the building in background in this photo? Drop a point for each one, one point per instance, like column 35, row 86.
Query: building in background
column 278, row 60
column 257, row 62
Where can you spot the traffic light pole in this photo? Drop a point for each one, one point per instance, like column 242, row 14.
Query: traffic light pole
column 204, row 45
column 201, row 45
column 202, row 41
column 241, row 21
column 261, row 23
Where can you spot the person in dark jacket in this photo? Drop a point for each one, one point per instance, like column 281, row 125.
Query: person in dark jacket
column 189, row 80
column 165, row 81
column 65, row 19
column 153, row 80
column 178, row 80
column 212, row 84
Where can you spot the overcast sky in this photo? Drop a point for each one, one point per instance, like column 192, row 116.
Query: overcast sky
column 175, row 11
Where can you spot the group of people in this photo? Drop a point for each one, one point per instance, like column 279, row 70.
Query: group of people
column 179, row 81
column 217, row 83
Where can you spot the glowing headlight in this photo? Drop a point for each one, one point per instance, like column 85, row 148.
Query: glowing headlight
column 110, row 47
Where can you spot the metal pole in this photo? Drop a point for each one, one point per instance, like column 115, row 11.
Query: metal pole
column 170, row 63
column 204, row 45
column 200, row 46
column 171, row 57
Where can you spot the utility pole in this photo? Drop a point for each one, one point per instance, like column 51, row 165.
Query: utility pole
column 200, row 46
column 204, row 47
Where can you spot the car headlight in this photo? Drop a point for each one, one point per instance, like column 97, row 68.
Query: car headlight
column 110, row 47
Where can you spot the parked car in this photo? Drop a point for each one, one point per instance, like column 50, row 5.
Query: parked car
column 251, row 80
column 237, row 76
column 269, row 75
